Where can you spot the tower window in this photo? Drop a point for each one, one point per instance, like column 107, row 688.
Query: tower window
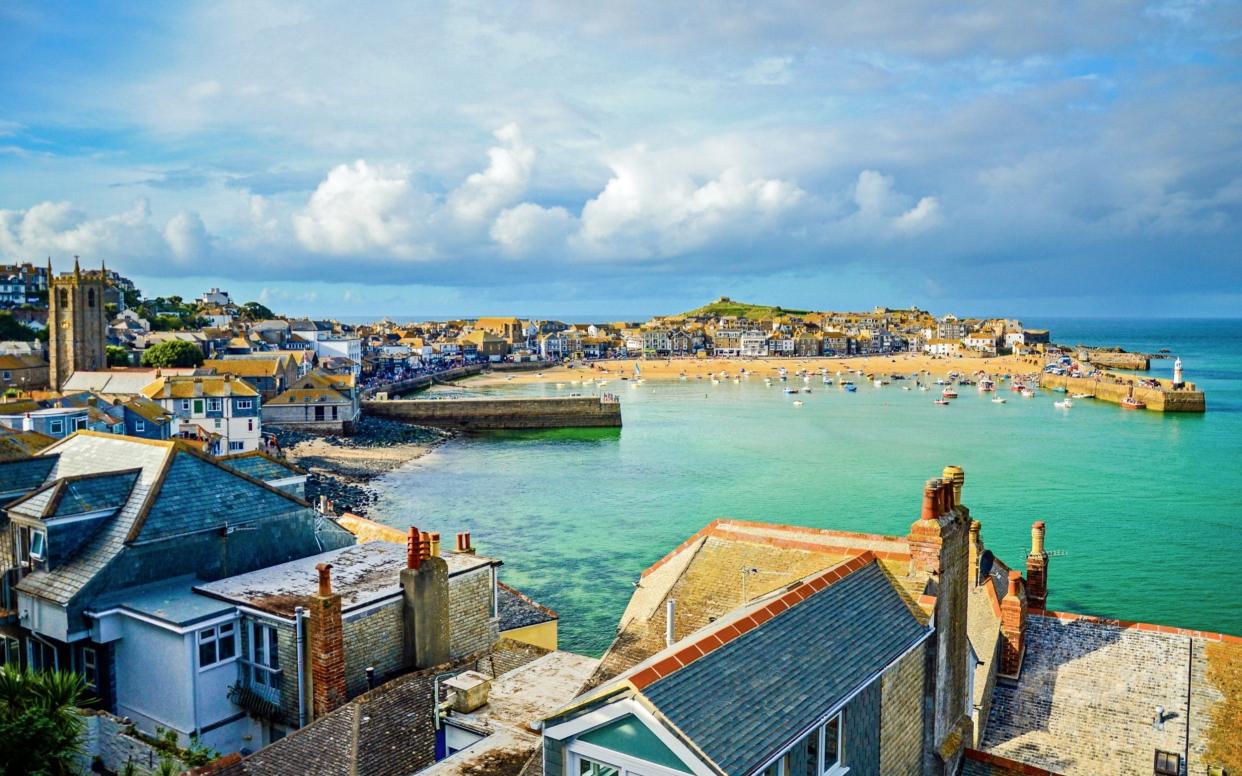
column 90, row 298
column 62, row 297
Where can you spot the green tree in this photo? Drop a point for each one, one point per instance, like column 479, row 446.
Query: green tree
column 117, row 356
column 40, row 727
column 256, row 312
column 173, row 353
column 12, row 329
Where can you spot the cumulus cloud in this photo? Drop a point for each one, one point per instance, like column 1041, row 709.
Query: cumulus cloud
column 187, row 237
column 529, row 230
column 360, row 208
column 59, row 229
column 881, row 206
column 504, row 181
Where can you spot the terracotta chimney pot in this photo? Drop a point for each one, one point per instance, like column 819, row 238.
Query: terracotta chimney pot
column 325, row 578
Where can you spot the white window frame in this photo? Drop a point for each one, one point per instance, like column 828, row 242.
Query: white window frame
column 10, row 651
column 212, row 635
column 31, row 641
column 237, row 446
column 56, row 426
column 243, row 404
column 186, row 405
column 625, row 765
column 140, row 425
column 41, row 555
column 215, row 405
column 90, row 668
column 264, row 666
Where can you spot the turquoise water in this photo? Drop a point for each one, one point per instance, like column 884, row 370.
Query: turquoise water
column 1146, row 507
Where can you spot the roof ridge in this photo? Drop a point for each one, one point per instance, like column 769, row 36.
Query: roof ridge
column 717, row 637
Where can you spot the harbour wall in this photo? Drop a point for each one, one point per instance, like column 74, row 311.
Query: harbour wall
column 488, row 414
column 1137, row 362
column 423, row 381
column 1186, row 399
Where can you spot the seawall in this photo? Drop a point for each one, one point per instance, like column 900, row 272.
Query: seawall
column 487, row 414
column 1185, row 399
column 422, row 381
column 1138, row 362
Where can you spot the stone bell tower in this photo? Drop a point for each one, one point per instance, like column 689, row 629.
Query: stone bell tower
column 77, row 323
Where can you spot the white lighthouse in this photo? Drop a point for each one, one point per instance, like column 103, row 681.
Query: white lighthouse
column 1177, row 371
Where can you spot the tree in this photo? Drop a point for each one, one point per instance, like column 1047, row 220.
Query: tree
column 12, row 329
column 117, row 356
column 256, row 312
column 173, row 353
column 40, row 727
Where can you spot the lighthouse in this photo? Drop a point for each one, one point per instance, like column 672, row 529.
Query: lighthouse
column 1177, row 371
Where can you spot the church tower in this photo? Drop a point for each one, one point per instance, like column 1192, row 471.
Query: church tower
column 77, row 323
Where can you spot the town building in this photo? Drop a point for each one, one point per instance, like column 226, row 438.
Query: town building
column 77, row 323
column 23, row 284
column 23, row 372
column 317, row 402
column 220, row 412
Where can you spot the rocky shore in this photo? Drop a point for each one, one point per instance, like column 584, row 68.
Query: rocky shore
column 341, row 467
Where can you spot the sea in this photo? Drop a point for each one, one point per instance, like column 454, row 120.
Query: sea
column 1144, row 509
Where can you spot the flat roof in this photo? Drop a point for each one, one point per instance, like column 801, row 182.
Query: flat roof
column 362, row 574
column 172, row 601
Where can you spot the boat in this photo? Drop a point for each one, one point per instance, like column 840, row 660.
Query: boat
column 1027, row 393
column 905, row 387
column 1081, row 396
column 560, row 385
column 941, row 402
column 827, row 381
column 1064, row 404
column 849, row 385
column 1131, row 403
column 948, row 393
column 998, row 400
column 986, row 386
column 797, row 403
column 924, row 387
column 1060, row 389
column 878, row 383
column 791, row 390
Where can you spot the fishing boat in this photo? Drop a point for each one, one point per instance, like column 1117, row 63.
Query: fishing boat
column 905, row 387
column 998, row 400
column 941, row 402
column 986, row 386
column 948, row 393
column 1064, row 404
column 1131, row 403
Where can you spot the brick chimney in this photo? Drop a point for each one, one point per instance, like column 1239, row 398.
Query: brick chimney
column 327, row 646
column 976, row 549
column 425, row 603
column 939, row 547
column 1013, row 626
column 1037, row 569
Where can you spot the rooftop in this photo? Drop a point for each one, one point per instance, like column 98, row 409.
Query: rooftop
column 361, row 574
column 172, row 601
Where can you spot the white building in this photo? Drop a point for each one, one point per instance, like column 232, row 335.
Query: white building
column 219, row 411
column 215, row 297
column 340, row 347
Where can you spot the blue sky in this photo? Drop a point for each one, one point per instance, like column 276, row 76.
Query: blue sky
column 546, row 159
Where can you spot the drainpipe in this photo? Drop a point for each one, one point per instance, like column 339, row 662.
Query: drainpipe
column 669, row 630
column 299, row 639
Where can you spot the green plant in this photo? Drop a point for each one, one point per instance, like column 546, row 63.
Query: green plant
column 173, row 353
column 129, row 769
column 40, row 727
column 117, row 356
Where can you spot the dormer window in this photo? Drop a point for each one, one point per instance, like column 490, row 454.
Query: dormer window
column 38, row 545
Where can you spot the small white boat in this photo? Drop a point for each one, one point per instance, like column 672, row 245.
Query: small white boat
column 941, row 402
column 1027, row 393
column 715, row 381
column 878, row 383
column 924, row 387
column 791, row 390
column 797, row 403
column 736, row 381
column 905, row 387
column 999, row 400
column 1064, row 404
column 1081, row 396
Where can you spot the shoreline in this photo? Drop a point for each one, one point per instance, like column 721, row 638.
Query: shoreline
column 342, row 468
column 695, row 368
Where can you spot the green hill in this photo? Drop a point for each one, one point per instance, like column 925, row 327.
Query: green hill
column 724, row 306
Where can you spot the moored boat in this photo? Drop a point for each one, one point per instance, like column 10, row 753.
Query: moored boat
column 1064, row 404
column 1131, row 403
column 941, row 402
column 948, row 393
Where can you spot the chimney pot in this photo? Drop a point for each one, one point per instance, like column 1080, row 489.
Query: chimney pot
column 412, row 556
column 930, row 496
column 325, row 578
column 1014, row 578
column 435, row 544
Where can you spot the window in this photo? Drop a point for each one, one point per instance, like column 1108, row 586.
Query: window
column 243, row 404
column 216, row 645
column 56, row 427
column 250, row 425
column 90, row 298
column 38, row 545
column 215, row 405
column 589, row 767
column 90, row 668
column 140, row 426
column 185, row 405
column 10, row 651
column 1168, row 763
column 235, row 446
column 264, row 656
column 833, row 745
column 8, row 375
column 41, row 656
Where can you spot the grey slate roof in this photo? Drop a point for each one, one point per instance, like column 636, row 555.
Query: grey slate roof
column 78, row 495
column 519, row 611
column 26, row 474
column 741, row 702
column 259, row 466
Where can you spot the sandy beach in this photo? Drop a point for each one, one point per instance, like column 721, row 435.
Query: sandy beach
column 673, row 369
column 341, row 467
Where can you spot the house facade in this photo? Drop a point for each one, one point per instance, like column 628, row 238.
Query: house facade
column 222, row 412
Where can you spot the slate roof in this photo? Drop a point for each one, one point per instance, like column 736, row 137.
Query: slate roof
column 519, row 611
column 25, row 474
column 78, row 495
column 827, row 645
column 261, row 466
column 174, row 491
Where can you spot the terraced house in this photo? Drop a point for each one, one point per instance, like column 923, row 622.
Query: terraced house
column 755, row 648
column 222, row 413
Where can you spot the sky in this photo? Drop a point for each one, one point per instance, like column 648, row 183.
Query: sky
column 553, row 159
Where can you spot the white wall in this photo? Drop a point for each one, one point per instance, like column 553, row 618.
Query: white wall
column 154, row 677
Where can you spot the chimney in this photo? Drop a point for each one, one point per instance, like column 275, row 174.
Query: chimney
column 976, row 549
column 1037, row 569
column 957, row 476
column 940, row 548
column 1013, row 626
column 435, row 544
column 463, row 542
column 327, row 646
column 425, row 603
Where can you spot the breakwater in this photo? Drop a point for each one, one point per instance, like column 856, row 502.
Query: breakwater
column 1114, row 388
column 1109, row 359
column 422, row 381
column 493, row 414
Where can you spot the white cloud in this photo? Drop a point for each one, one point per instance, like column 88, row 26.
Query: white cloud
column 924, row 215
column 881, row 207
column 769, row 71
column 360, row 208
column 504, row 181
column 187, row 237
column 529, row 229
column 58, row 229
